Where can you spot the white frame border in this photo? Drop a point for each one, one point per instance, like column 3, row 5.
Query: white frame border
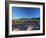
column 25, row 32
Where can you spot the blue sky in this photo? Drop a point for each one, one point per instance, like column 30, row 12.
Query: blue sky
column 25, row 12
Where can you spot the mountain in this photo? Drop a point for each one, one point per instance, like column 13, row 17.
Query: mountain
column 29, row 18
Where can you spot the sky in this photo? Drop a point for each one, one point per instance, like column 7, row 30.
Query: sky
column 25, row 12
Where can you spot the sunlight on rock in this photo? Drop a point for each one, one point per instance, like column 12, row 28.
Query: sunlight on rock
column 29, row 28
column 17, row 29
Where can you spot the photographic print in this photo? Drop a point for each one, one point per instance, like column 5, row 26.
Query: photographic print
column 25, row 18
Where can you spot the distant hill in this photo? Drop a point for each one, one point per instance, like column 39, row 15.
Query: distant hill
column 27, row 20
